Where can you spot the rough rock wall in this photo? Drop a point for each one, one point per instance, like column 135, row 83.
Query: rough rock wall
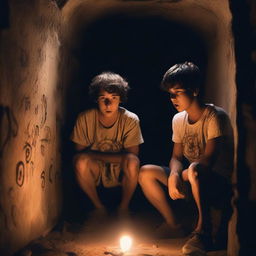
column 30, row 198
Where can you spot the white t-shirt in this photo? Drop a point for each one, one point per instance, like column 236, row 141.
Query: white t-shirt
column 213, row 123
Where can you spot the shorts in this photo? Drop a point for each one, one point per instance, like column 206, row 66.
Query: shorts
column 110, row 174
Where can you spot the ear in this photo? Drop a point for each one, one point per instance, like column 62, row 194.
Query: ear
column 196, row 92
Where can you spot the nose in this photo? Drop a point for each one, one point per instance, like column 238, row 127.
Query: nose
column 107, row 102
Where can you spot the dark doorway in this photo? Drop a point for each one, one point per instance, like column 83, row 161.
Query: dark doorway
column 140, row 49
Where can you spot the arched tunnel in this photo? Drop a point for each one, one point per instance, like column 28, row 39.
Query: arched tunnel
column 51, row 50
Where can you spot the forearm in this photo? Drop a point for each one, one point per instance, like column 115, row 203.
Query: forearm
column 174, row 180
column 200, row 165
column 175, row 166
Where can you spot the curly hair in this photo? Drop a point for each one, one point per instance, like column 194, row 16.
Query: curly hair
column 186, row 74
column 111, row 83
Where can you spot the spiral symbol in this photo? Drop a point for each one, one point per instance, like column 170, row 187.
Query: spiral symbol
column 20, row 173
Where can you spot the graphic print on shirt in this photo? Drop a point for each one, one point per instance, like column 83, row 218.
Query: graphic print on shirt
column 191, row 146
column 108, row 145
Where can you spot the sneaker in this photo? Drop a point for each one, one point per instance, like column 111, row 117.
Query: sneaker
column 166, row 231
column 197, row 244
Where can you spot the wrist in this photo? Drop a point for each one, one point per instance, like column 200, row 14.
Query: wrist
column 174, row 175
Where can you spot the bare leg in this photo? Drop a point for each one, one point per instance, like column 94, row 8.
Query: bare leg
column 87, row 171
column 149, row 178
column 130, row 167
column 192, row 177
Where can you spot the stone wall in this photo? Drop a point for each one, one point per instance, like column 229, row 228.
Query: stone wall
column 30, row 198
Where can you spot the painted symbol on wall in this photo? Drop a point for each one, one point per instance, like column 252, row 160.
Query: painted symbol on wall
column 32, row 167
column 26, row 102
column 20, row 173
column 36, row 110
column 42, row 150
column 47, row 135
column 51, row 173
column 43, row 110
column 46, row 139
column 35, row 135
column 43, row 179
column 35, row 87
column 28, row 152
column 32, row 133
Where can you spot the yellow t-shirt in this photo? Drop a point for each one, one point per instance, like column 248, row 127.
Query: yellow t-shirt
column 125, row 132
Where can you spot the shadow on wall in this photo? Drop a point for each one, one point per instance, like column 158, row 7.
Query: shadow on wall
column 9, row 127
column 141, row 50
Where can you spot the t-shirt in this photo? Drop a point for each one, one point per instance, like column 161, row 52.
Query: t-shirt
column 213, row 123
column 124, row 133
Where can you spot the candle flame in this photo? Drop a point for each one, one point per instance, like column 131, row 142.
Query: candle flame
column 125, row 243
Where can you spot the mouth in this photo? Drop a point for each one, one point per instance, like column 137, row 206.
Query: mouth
column 176, row 105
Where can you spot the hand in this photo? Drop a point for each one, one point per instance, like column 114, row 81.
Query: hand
column 175, row 185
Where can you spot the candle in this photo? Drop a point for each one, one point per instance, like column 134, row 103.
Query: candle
column 125, row 243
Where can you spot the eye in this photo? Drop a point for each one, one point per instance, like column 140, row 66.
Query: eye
column 178, row 93
column 101, row 99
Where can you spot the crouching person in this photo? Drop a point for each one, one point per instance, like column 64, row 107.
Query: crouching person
column 107, row 140
column 202, row 134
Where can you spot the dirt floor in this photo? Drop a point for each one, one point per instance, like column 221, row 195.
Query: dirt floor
column 99, row 238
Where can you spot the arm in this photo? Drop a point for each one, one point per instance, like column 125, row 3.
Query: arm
column 114, row 157
column 175, row 164
column 176, row 167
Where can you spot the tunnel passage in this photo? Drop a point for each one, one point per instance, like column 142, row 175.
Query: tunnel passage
column 40, row 48
column 141, row 50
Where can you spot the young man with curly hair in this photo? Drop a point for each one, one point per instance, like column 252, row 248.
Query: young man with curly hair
column 107, row 140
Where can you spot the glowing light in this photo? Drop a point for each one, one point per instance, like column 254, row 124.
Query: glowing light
column 125, row 243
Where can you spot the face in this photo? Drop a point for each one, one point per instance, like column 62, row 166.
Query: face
column 180, row 98
column 108, row 103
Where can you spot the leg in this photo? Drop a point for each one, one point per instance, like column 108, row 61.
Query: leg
column 200, row 240
column 192, row 177
column 130, row 168
column 149, row 178
column 87, row 172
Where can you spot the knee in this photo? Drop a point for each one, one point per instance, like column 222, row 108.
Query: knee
column 192, row 175
column 146, row 173
column 131, row 163
column 81, row 162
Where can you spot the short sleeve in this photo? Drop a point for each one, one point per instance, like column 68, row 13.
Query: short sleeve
column 80, row 131
column 214, row 128
column 133, row 135
column 176, row 137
